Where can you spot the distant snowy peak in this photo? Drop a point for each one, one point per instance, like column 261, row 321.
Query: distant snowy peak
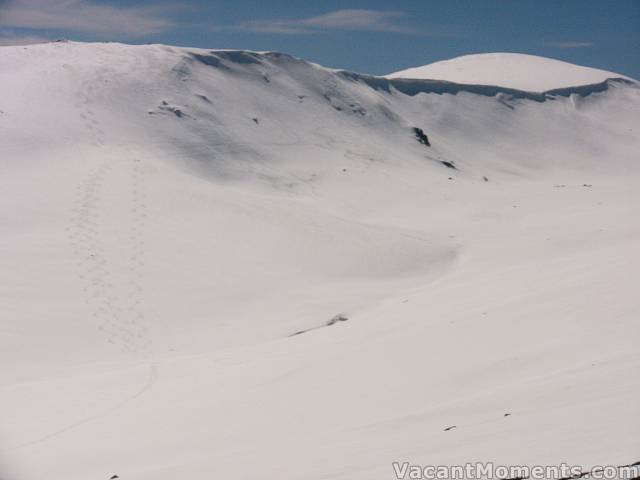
column 510, row 70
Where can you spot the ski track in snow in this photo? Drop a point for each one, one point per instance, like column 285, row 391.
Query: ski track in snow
column 151, row 379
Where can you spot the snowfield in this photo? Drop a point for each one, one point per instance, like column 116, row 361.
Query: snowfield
column 513, row 70
column 232, row 264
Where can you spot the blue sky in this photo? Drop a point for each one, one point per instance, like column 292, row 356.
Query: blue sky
column 373, row 36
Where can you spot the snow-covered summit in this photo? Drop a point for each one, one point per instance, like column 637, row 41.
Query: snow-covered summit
column 511, row 70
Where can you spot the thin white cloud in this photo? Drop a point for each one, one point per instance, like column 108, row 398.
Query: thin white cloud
column 85, row 16
column 345, row 20
column 569, row 44
column 358, row 20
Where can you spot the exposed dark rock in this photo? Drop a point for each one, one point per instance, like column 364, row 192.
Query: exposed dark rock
column 336, row 319
column 333, row 321
column 448, row 164
column 421, row 136
column 164, row 107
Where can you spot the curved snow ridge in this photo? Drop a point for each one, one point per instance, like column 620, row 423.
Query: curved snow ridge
column 228, row 59
column 412, row 87
column 225, row 60
column 494, row 73
column 519, row 71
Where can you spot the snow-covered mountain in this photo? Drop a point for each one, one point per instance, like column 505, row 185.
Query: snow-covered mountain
column 246, row 265
column 512, row 70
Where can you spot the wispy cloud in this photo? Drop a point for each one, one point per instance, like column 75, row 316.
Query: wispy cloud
column 85, row 16
column 345, row 20
column 568, row 44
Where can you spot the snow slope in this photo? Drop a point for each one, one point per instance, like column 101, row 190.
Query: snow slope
column 172, row 219
column 512, row 70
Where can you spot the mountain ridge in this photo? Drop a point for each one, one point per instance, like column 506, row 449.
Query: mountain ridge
column 242, row 56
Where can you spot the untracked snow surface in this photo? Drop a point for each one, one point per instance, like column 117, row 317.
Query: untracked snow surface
column 513, row 70
column 234, row 265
